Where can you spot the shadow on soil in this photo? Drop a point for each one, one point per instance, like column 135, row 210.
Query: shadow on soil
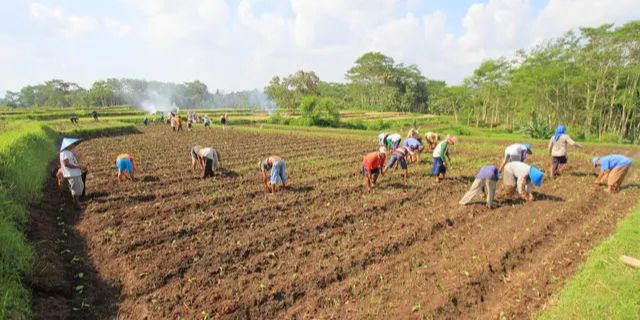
column 630, row 186
column 150, row 179
column 538, row 197
column 299, row 188
column 64, row 281
column 581, row 174
column 228, row 173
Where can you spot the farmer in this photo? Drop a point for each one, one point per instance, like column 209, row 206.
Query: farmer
column 519, row 175
column 613, row 169
column 415, row 147
column 72, row 171
column 277, row 166
column 372, row 167
column 178, row 123
column 94, row 114
column 558, row 149
column 393, row 141
column 432, row 140
column 189, row 125
column 74, row 119
column 195, row 157
column 413, row 133
column 145, row 121
column 515, row 152
column 223, row 120
column 126, row 166
column 206, row 121
column 382, row 139
column 485, row 182
column 441, row 157
column 399, row 155
column 172, row 120
column 209, row 161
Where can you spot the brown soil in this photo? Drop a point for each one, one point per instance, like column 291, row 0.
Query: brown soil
column 170, row 245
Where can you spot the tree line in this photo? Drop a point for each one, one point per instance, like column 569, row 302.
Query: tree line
column 588, row 80
column 112, row 92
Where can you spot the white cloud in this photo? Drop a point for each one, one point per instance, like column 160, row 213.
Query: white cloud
column 69, row 25
column 166, row 21
column 243, row 43
column 559, row 16
column 117, row 27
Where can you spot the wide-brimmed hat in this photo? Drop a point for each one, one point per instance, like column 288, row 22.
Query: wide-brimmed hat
column 528, row 146
column 536, row 176
column 67, row 142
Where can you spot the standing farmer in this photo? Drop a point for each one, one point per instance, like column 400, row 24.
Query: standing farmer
column 558, row 148
column 519, row 175
column 613, row 169
column 515, row 152
column 372, row 167
column 72, row 171
column 485, row 182
column 277, row 166
column 126, row 166
column 441, row 158
column 223, row 121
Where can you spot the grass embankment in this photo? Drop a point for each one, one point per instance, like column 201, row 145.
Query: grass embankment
column 604, row 288
column 24, row 152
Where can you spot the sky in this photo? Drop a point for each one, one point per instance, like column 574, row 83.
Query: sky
column 241, row 44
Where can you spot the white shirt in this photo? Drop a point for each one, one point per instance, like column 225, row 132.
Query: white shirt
column 208, row 153
column 515, row 149
column 69, row 172
column 518, row 169
column 438, row 149
column 381, row 138
column 395, row 137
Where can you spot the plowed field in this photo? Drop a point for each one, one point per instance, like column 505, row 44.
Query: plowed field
column 176, row 246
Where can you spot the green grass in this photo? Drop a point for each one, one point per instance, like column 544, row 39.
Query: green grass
column 604, row 288
column 23, row 147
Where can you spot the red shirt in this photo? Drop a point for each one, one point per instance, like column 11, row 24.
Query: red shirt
column 373, row 160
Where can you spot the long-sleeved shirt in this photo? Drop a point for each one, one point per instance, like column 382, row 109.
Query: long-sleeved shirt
column 442, row 151
column 614, row 161
column 559, row 148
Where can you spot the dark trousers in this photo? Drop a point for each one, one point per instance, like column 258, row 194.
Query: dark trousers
column 208, row 168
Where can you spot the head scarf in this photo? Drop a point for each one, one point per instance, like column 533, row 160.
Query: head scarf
column 594, row 160
column 559, row 132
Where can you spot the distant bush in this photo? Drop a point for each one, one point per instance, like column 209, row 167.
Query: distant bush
column 320, row 112
column 536, row 129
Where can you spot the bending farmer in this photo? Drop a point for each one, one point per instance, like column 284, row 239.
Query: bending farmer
column 277, row 166
column 485, row 182
column 126, row 166
column 613, row 169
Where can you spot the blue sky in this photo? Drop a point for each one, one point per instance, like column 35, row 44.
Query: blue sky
column 242, row 44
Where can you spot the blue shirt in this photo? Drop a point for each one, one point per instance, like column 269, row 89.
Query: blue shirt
column 412, row 143
column 488, row 172
column 614, row 161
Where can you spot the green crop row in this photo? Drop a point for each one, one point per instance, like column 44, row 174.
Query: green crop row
column 23, row 146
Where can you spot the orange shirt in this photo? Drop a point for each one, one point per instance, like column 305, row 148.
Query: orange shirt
column 373, row 160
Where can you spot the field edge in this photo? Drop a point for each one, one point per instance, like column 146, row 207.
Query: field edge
column 603, row 287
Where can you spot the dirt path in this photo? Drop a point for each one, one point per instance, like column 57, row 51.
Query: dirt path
column 65, row 283
column 175, row 246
